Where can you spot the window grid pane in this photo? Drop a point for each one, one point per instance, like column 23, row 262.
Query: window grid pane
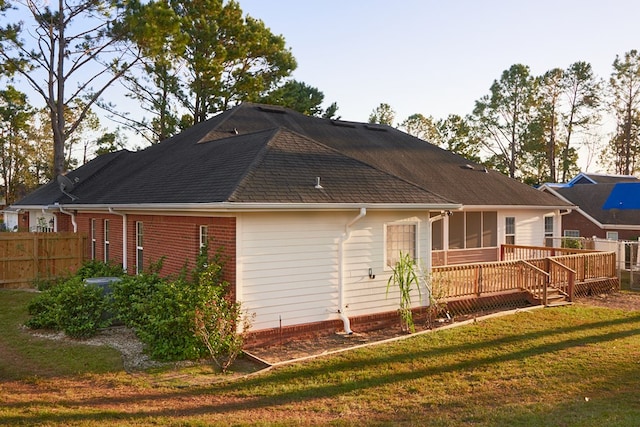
column 510, row 230
column 204, row 236
column 400, row 238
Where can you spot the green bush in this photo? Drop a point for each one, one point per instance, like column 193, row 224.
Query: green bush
column 168, row 330
column 95, row 268
column 131, row 297
column 217, row 319
column 72, row 307
column 176, row 319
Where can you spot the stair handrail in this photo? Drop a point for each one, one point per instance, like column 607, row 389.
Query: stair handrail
column 539, row 272
column 571, row 277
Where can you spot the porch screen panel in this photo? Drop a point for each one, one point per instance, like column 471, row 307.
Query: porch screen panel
column 474, row 230
column 437, row 241
column 489, row 229
column 456, row 230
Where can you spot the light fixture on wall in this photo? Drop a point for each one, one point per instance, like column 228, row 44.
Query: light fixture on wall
column 371, row 275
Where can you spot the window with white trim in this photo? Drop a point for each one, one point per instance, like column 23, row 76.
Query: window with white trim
column 571, row 233
column 93, row 238
column 400, row 238
column 106, row 240
column 510, row 230
column 612, row 235
column 204, row 236
column 548, row 231
column 139, row 247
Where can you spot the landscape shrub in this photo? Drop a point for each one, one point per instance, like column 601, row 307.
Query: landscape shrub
column 72, row 307
column 184, row 318
column 131, row 298
column 95, row 268
column 218, row 318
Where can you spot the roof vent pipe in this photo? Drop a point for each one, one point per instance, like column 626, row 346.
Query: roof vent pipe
column 318, row 186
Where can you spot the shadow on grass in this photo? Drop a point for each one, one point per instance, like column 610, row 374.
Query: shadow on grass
column 326, row 378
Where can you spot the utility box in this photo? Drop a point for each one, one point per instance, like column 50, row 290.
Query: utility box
column 102, row 282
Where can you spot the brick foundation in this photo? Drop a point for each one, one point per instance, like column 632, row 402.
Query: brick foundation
column 372, row 322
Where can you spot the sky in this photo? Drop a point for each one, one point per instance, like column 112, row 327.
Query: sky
column 437, row 57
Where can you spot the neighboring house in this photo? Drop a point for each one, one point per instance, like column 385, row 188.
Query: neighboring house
column 310, row 213
column 10, row 219
column 604, row 203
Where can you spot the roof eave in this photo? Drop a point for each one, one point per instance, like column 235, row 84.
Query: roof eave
column 237, row 207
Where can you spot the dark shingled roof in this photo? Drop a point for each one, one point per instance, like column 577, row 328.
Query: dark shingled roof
column 591, row 200
column 265, row 154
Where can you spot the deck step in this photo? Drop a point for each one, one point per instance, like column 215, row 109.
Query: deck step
column 559, row 303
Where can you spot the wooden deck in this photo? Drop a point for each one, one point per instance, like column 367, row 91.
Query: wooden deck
column 546, row 276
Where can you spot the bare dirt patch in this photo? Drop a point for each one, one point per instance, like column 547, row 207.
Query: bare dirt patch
column 619, row 300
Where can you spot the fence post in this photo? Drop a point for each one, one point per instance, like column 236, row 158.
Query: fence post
column 572, row 282
column 36, row 261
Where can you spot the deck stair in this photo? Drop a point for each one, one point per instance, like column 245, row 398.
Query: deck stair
column 555, row 297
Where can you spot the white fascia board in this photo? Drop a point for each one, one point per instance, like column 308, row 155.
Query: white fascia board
column 236, row 207
column 515, row 207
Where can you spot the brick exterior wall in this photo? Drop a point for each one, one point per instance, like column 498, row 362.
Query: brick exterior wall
column 577, row 221
column 175, row 239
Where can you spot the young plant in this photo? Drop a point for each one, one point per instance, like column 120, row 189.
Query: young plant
column 219, row 319
column 404, row 277
column 437, row 288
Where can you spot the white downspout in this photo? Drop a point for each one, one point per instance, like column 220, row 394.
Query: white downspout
column 124, row 237
column 343, row 238
column 73, row 218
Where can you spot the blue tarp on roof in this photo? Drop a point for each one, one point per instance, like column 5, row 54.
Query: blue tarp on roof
column 624, row 195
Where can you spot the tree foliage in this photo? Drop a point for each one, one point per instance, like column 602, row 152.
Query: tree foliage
column 421, row 127
column 201, row 57
column 504, row 116
column 624, row 146
column 15, row 150
column 73, row 51
column 300, row 97
column 383, row 114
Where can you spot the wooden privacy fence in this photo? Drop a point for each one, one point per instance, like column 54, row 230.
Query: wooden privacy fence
column 25, row 257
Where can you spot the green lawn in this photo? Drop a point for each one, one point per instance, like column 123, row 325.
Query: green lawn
column 565, row 366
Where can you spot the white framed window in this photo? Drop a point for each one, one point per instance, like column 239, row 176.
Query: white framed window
column 93, row 238
column 399, row 238
column 204, row 236
column 571, row 233
column 106, row 240
column 612, row 235
column 548, row 230
column 510, row 230
column 139, row 247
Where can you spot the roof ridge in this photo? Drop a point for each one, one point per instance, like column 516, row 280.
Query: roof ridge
column 257, row 159
column 282, row 129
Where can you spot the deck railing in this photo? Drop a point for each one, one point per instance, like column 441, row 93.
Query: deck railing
column 464, row 280
column 563, row 271
column 515, row 252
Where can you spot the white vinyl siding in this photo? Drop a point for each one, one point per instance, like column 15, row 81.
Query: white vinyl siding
column 529, row 226
column 290, row 266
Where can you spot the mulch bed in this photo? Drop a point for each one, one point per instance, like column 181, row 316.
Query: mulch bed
column 320, row 345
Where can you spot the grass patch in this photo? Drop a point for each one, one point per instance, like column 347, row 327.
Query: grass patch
column 23, row 355
column 567, row 366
